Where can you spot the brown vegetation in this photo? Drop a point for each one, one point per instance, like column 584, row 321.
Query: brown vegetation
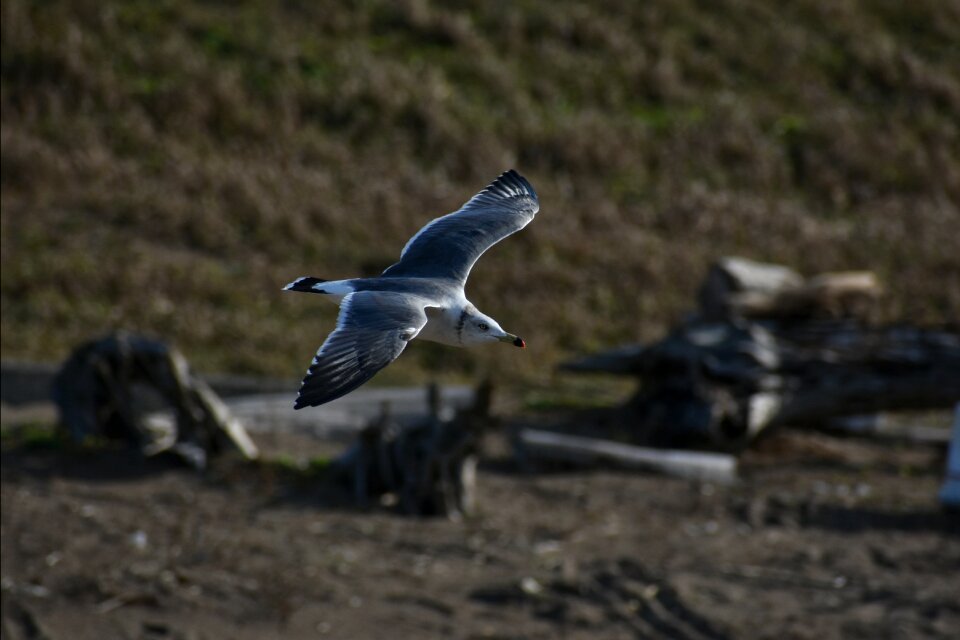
column 168, row 166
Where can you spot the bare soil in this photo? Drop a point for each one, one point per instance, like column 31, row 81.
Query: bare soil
column 822, row 538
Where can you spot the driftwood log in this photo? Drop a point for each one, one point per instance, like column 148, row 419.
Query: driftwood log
column 536, row 445
column 800, row 357
column 140, row 391
column 428, row 468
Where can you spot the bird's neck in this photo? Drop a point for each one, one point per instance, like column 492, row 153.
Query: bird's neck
column 445, row 325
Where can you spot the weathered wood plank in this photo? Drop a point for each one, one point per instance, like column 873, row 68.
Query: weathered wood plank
column 547, row 445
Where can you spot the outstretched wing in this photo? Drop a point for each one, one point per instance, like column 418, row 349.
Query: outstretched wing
column 372, row 330
column 449, row 246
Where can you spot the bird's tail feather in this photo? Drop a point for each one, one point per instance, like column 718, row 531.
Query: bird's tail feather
column 307, row 284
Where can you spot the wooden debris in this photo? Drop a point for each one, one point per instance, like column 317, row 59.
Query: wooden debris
column 736, row 287
column 766, row 349
column 134, row 389
column 534, row 444
column 722, row 383
column 428, row 468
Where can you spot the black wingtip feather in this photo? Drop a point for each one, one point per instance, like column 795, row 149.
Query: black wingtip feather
column 511, row 183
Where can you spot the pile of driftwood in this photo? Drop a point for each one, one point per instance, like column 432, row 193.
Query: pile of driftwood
column 768, row 347
column 140, row 391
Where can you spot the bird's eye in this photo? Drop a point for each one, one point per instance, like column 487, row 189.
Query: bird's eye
column 483, row 326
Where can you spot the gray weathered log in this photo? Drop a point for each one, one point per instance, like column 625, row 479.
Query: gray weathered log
column 535, row 444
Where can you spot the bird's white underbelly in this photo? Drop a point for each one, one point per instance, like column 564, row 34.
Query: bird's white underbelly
column 443, row 323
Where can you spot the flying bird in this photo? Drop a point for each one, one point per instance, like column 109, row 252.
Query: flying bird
column 421, row 296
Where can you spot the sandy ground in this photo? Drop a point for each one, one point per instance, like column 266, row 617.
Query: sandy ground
column 822, row 538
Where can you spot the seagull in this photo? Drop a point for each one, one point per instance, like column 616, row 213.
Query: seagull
column 421, row 296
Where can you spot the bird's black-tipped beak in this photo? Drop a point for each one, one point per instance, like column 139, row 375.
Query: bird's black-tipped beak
column 516, row 341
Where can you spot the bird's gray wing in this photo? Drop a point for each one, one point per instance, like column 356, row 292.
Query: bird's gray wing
column 449, row 246
column 372, row 330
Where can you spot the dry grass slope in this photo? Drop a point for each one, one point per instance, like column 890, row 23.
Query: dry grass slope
column 167, row 166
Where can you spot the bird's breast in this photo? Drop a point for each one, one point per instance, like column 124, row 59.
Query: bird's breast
column 442, row 327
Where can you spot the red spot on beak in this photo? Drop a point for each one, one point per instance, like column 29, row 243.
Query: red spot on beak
column 520, row 343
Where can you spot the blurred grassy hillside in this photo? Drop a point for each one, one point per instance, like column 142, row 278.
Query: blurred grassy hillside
column 167, row 166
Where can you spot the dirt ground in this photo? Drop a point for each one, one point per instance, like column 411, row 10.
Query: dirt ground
column 822, row 538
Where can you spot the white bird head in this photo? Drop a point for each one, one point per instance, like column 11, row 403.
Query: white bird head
column 479, row 328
